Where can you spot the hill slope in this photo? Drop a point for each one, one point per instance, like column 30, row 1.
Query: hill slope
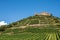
column 38, row 27
column 37, row 20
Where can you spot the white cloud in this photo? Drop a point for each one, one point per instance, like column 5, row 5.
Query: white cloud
column 2, row 23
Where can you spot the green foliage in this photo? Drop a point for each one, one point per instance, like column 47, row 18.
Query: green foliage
column 3, row 28
column 34, row 22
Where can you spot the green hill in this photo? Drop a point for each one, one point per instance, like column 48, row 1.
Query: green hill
column 42, row 26
column 37, row 20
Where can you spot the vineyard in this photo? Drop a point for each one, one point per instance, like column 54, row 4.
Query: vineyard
column 30, row 34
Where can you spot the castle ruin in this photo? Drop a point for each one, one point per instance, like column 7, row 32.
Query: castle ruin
column 43, row 13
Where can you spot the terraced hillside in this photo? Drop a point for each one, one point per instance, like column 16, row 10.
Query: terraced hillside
column 30, row 34
column 37, row 20
column 37, row 27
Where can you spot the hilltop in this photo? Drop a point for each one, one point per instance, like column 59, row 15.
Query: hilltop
column 38, row 20
column 42, row 19
column 40, row 26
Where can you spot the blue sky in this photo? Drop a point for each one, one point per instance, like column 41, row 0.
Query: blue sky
column 14, row 10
